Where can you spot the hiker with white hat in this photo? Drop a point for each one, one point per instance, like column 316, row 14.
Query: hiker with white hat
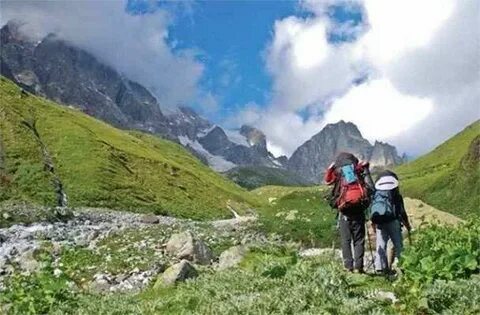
column 388, row 214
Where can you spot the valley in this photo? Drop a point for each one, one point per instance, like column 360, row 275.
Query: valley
column 108, row 205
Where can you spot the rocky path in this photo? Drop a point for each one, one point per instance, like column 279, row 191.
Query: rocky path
column 19, row 243
column 142, row 235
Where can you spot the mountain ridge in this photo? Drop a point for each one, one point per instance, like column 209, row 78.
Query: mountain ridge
column 67, row 74
column 311, row 159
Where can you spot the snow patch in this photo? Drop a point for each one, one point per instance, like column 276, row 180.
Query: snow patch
column 237, row 138
column 203, row 133
column 216, row 162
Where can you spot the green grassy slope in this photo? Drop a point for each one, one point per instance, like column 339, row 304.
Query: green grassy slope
column 300, row 214
column 449, row 176
column 102, row 166
column 252, row 177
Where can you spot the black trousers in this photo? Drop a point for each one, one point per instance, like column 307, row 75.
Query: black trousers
column 352, row 230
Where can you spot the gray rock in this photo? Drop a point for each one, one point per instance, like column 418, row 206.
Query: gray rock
column 231, row 257
column 27, row 262
column 185, row 246
column 149, row 219
column 315, row 252
column 99, row 285
column 384, row 295
column 178, row 272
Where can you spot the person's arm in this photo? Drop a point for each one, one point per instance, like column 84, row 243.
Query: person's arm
column 367, row 177
column 330, row 176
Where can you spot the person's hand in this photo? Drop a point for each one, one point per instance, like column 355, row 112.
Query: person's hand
column 364, row 164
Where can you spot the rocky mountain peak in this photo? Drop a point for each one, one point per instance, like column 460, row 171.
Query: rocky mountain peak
column 67, row 74
column 216, row 141
column 11, row 31
column 342, row 128
column 186, row 122
column 254, row 136
column 312, row 158
column 384, row 154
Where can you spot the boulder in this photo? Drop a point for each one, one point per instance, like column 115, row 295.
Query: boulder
column 185, row 246
column 178, row 272
column 27, row 262
column 149, row 219
column 315, row 252
column 231, row 257
column 383, row 295
column 101, row 283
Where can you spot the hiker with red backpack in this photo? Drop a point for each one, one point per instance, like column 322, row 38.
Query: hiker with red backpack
column 352, row 188
column 388, row 214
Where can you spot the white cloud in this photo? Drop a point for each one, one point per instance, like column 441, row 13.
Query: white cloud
column 134, row 45
column 305, row 67
column 421, row 57
column 399, row 26
column 379, row 110
column 209, row 103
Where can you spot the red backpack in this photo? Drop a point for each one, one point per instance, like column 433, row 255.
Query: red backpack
column 351, row 191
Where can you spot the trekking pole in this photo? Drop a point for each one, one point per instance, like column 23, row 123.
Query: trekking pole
column 409, row 235
column 336, row 228
column 369, row 246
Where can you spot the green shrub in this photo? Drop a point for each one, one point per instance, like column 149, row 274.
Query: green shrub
column 456, row 297
column 443, row 252
column 39, row 293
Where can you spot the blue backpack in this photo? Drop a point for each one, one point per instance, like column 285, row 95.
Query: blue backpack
column 348, row 173
column 382, row 209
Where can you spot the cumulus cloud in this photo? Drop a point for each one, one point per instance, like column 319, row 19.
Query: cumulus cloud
column 306, row 68
column 134, row 45
column 416, row 61
column 377, row 108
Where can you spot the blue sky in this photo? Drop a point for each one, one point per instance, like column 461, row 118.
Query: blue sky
column 230, row 38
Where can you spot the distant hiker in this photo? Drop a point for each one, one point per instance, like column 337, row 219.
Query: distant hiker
column 388, row 215
column 352, row 188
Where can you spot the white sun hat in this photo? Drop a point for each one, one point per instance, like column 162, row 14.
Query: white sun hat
column 386, row 183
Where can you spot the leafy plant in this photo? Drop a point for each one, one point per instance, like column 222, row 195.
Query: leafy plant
column 442, row 252
column 39, row 293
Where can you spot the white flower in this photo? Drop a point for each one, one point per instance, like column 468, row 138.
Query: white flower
column 57, row 272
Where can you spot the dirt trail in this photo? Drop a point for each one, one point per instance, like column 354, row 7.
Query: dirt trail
column 421, row 213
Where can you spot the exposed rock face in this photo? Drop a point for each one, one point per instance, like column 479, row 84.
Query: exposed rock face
column 187, row 123
column 247, row 147
column 217, row 142
column 384, row 154
column 254, row 137
column 312, row 158
column 64, row 73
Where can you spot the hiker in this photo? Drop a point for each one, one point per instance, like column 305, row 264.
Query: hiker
column 352, row 188
column 388, row 214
